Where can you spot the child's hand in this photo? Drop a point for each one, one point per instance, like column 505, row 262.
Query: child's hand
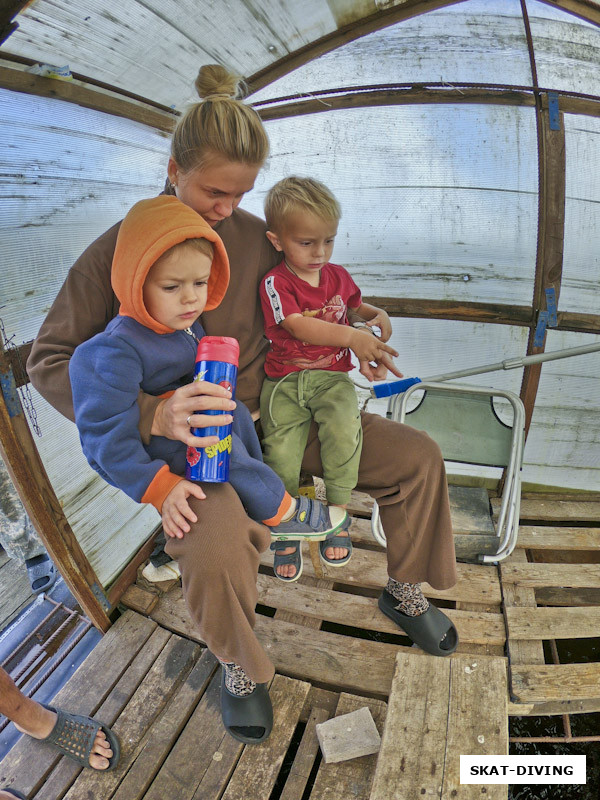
column 379, row 370
column 382, row 321
column 176, row 509
column 368, row 347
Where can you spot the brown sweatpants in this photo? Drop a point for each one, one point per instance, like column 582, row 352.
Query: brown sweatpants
column 400, row 467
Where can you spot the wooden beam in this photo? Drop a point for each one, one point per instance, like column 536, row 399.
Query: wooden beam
column 412, row 307
column 8, row 11
column 550, row 240
column 585, row 9
column 415, row 95
column 18, row 80
column 29, row 476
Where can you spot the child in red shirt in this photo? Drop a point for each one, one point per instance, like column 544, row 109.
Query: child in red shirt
column 305, row 300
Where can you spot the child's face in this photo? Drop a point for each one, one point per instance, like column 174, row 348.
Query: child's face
column 175, row 287
column 306, row 241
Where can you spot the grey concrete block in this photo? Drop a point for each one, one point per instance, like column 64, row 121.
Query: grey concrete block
column 349, row 736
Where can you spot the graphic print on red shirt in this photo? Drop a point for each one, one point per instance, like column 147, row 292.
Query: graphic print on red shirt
column 282, row 294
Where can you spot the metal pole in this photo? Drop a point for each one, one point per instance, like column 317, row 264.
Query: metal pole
column 396, row 387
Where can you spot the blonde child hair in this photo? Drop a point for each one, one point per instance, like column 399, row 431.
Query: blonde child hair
column 305, row 194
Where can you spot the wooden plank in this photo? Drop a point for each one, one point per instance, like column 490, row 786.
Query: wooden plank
column 66, row 771
column 352, row 778
column 477, row 583
column 259, row 766
column 433, row 710
column 417, row 716
column 520, row 652
column 139, row 599
column 554, row 708
column 552, row 682
column 475, row 684
column 16, row 589
column 83, row 694
column 167, row 673
column 544, row 510
column 304, row 759
column 163, row 735
column 569, row 538
column 75, row 92
column 329, row 659
column 203, row 757
column 567, row 597
column 565, row 575
column 489, row 313
column 553, row 623
column 27, row 472
column 364, row 613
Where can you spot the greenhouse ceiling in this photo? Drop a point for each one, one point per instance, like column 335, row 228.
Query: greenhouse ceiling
column 153, row 48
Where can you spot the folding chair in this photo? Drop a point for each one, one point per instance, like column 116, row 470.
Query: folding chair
column 462, row 420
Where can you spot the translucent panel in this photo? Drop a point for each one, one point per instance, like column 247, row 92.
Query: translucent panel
column 567, row 49
column 438, row 202
column 581, row 263
column 563, row 446
column 68, row 174
column 154, row 48
column 478, row 41
column 108, row 525
column 430, row 348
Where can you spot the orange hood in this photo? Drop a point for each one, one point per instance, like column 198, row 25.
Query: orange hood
column 149, row 229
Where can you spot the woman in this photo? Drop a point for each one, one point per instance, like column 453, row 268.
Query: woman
column 218, row 148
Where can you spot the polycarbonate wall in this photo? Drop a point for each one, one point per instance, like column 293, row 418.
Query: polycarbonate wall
column 68, row 174
column 581, row 259
column 440, row 202
column 479, row 41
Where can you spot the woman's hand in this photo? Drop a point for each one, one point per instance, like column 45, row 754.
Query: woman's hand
column 183, row 410
column 176, row 510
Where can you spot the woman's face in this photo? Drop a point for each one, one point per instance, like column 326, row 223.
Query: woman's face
column 215, row 189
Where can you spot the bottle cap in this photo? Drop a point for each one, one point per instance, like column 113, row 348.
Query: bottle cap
column 218, row 348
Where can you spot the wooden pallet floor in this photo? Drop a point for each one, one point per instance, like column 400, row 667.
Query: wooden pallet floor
column 334, row 652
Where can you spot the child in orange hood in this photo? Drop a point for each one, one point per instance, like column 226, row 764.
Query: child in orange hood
column 169, row 266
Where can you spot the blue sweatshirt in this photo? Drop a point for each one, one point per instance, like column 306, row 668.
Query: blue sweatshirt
column 136, row 353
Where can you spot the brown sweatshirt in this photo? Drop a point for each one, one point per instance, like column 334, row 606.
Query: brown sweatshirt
column 86, row 303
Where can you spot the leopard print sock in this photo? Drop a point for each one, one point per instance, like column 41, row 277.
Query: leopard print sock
column 411, row 599
column 236, row 680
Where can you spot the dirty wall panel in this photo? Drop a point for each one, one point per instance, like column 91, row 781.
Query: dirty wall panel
column 439, row 202
column 154, row 49
column 67, row 174
column 474, row 41
column 563, row 447
column 567, row 50
column 581, row 261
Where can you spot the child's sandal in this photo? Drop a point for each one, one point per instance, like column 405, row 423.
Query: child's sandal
column 295, row 559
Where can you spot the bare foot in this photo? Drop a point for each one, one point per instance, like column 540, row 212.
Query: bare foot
column 286, row 570
column 42, row 724
column 337, row 553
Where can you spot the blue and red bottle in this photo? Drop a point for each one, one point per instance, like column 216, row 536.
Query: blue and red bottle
column 216, row 362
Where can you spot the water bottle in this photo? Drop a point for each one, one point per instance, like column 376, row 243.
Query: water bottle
column 216, row 362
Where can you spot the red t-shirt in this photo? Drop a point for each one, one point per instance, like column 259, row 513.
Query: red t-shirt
column 282, row 294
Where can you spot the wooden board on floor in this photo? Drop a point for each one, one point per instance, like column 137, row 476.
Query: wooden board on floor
column 434, row 709
column 16, row 592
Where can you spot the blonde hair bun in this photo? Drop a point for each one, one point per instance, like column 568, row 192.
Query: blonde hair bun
column 215, row 80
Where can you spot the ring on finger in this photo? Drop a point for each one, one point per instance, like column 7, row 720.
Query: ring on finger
column 187, row 421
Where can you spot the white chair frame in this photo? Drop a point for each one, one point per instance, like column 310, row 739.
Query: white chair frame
column 508, row 520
